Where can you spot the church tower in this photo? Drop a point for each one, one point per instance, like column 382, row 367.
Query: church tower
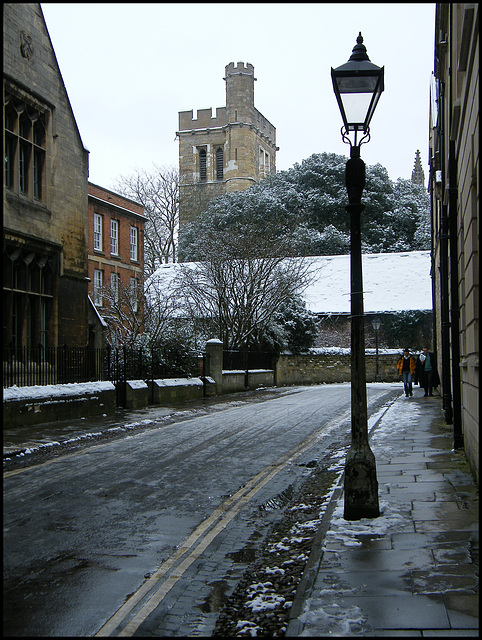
column 228, row 152
column 418, row 176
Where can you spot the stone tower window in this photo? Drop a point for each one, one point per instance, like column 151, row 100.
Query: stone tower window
column 202, row 165
column 219, row 164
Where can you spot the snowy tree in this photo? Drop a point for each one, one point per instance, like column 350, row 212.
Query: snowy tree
column 242, row 280
column 158, row 192
column 292, row 328
column 414, row 201
column 307, row 203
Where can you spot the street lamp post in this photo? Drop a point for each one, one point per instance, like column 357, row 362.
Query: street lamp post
column 358, row 85
column 376, row 324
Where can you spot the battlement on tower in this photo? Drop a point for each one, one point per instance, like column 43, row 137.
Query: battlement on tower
column 226, row 152
column 240, row 68
column 204, row 119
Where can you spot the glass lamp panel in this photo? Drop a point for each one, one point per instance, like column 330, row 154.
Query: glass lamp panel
column 357, row 84
column 356, row 106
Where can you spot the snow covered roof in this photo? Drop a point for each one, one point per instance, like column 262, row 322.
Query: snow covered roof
column 391, row 282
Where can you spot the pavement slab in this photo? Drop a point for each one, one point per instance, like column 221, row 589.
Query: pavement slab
column 412, row 572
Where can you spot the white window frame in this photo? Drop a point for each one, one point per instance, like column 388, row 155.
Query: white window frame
column 134, row 235
column 114, row 285
column 114, row 237
column 133, row 293
column 98, row 282
column 97, row 232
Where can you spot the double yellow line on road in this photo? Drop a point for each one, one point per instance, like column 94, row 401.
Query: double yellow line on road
column 154, row 591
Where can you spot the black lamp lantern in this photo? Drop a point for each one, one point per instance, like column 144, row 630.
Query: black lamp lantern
column 358, row 85
column 376, row 323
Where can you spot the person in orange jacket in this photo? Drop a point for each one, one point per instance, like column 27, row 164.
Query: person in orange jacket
column 406, row 368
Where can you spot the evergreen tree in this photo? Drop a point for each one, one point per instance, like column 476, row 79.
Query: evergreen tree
column 306, row 206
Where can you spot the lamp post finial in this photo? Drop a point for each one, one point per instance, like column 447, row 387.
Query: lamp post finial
column 359, row 50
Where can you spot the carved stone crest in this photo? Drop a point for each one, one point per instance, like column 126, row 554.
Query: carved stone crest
column 26, row 48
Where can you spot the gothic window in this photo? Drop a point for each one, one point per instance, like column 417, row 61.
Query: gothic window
column 28, row 295
column 202, row 165
column 43, row 322
column 24, row 165
column 219, row 164
column 25, row 146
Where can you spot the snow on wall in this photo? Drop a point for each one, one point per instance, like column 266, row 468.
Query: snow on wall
column 55, row 390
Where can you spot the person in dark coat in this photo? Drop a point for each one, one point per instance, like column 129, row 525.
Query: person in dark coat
column 426, row 371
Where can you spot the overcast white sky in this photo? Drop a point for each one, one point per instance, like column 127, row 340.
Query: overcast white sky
column 130, row 68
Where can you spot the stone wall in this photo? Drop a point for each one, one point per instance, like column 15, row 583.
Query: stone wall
column 176, row 390
column 239, row 381
column 76, row 401
column 290, row 370
column 325, row 368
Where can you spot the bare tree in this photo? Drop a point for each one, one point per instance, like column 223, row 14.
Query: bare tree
column 242, row 282
column 143, row 316
column 162, row 311
column 158, row 192
column 123, row 311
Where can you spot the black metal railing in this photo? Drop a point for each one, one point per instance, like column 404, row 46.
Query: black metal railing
column 29, row 366
column 124, row 364
column 238, row 359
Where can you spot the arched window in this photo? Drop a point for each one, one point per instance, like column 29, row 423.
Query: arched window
column 202, row 165
column 219, row 164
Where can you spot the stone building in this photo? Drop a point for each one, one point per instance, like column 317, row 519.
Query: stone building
column 227, row 152
column 454, row 187
column 45, row 298
column 116, row 249
column 418, row 176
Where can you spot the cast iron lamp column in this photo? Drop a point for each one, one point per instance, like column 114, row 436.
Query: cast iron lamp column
column 358, row 85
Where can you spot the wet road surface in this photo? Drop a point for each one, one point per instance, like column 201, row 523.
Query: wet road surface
column 99, row 540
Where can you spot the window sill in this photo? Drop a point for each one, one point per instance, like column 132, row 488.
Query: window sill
column 18, row 198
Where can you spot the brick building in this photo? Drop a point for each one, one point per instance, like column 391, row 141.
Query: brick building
column 45, row 297
column 116, row 250
column 228, row 152
column 454, row 176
